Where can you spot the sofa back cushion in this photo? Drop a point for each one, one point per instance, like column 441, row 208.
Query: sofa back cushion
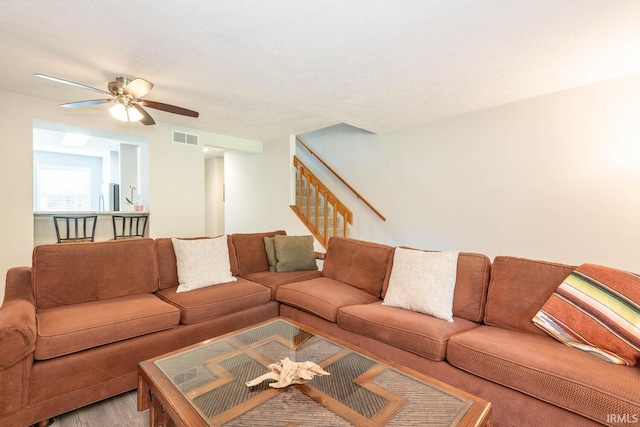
column 518, row 288
column 168, row 266
column 472, row 281
column 74, row 273
column 365, row 265
column 250, row 252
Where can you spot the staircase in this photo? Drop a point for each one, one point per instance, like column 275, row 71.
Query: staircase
column 321, row 211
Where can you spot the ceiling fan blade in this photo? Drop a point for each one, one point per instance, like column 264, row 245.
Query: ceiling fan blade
column 86, row 103
column 67, row 82
column 138, row 88
column 146, row 118
column 169, row 108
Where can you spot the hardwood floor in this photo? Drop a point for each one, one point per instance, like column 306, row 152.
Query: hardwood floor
column 119, row 411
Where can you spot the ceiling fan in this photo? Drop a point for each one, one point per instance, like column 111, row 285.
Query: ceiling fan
column 126, row 96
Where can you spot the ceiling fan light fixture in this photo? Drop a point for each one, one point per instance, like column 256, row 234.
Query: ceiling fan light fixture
column 126, row 95
column 125, row 113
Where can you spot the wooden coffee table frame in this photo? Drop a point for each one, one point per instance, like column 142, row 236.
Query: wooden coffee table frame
column 168, row 407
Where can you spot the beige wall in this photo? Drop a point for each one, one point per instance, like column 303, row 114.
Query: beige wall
column 176, row 172
column 257, row 191
column 553, row 178
column 16, row 184
column 214, row 196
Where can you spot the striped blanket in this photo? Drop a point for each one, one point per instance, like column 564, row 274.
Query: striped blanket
column 596, row 309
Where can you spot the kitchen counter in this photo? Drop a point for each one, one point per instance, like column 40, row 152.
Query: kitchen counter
column 105, row 213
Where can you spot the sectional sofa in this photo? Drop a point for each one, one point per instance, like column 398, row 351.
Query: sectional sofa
column 75, row 324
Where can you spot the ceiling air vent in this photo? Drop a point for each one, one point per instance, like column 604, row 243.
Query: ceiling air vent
column 185, row 138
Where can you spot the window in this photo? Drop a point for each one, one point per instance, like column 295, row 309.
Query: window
column 79, row 169
column 63, row 188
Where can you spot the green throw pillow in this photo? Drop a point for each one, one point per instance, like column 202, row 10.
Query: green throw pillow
column 269, row 246
column 294, row 253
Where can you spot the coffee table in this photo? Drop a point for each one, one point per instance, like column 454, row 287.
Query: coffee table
column 204, row 385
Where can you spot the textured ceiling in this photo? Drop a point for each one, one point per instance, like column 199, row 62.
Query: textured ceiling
column 265, row 69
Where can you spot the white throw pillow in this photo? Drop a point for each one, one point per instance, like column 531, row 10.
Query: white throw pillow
column 423, row 282
column 202, row 262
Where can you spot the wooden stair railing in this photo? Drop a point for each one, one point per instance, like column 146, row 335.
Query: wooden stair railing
column 341, row 179
column 321, row 211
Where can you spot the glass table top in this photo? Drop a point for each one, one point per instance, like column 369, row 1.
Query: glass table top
column 359, row 390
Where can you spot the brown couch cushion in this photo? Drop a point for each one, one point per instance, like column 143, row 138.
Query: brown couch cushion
column 364, row 265
column 81, row 272
column 215, row 301
column 472, row 282
column 546, row 369
column 273, row 280
column 322, row 296
column 167, row 264
column 67, row 329
column 518, row 288
column 250, row 252
column 418, row 333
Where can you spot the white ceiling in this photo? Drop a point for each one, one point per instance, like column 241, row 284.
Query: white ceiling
column 262, row 69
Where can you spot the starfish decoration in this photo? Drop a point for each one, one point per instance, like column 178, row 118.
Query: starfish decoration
column 287, row 372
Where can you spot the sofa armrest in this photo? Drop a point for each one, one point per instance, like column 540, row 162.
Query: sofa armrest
column 17, row 318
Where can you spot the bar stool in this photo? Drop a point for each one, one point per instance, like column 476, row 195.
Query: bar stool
column 129, row 226
column 75, row 228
